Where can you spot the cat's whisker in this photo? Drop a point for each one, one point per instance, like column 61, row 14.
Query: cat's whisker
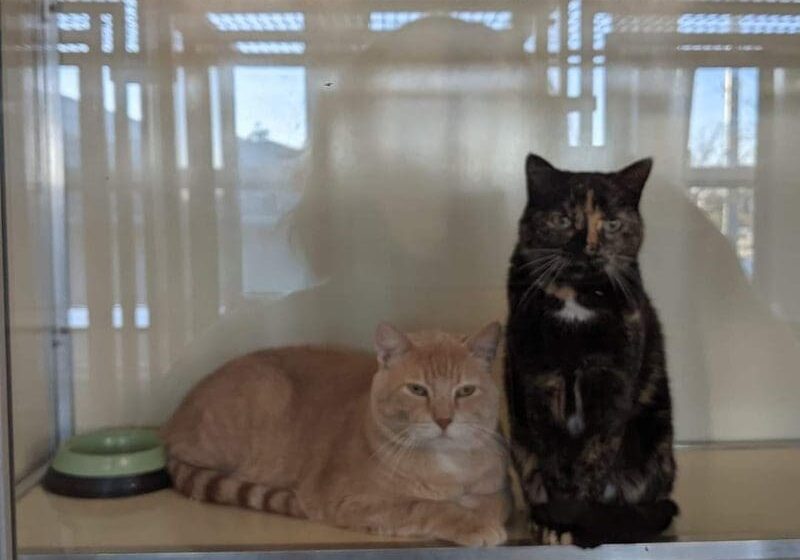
column 539, row 270
column 541, row 264
column 621, row 283
column 403, row 451
column 632, row 274
column 545, row 251
column 391, row 443
column 545, row 270
column 526, row 295
column 538, row 260
column 528, row 292
column 554, row 273
column 537, row 282
column 612, row 276
column 546, row 277
column 490, row 436
column 384, row 447
column 540, row 256
column 387, row 454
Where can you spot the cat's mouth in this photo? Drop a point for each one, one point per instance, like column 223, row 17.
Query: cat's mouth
column 441, row 436
column 446, row 441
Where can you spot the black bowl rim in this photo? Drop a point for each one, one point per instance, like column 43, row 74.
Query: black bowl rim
column 57, row 482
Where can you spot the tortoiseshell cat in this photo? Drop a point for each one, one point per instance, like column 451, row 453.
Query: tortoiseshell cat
column 589, row 402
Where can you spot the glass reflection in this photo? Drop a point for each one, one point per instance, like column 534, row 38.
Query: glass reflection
column 245, row 176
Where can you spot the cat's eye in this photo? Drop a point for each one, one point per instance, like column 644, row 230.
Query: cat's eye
column 559, row 221
column 612, row 226
column 417, row 390
column 465, row 391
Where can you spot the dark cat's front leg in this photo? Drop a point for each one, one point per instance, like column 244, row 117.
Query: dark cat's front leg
column 645, row 467
column 592, row 470
column 524, row 417
column 578, row 417
column 606, row 407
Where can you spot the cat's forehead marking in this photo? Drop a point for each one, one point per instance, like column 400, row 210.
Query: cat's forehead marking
column 596, row 183
column 594, row 219
column 588, row 204
column 441, row 361
column 442, row 384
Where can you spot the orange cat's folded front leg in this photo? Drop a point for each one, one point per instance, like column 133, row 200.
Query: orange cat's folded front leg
column 430, row 519
column 495, row 507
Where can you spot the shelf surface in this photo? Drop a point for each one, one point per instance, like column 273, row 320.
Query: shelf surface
column 727, row 496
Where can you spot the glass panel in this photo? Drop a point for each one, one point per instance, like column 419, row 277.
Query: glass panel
column 258, row 173
column 243, row 177
column 28, row 198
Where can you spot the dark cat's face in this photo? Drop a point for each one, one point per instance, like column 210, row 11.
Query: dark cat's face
column 581, row 227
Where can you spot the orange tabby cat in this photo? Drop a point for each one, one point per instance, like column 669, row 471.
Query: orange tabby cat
column 410, row 450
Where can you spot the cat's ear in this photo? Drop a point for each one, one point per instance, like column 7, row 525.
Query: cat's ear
column 535, row 164
column 390, row 344
column 633, row 177
column 539, row 174
column 483, row 344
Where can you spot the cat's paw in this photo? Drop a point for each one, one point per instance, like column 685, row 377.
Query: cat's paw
column 549, row 536
column 475, row 534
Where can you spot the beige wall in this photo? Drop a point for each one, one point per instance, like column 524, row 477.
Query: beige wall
column 390, row 180
column 27, row 192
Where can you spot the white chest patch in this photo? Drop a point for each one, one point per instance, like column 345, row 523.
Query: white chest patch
column 574, row 311
column 610, row 492
column 447, row 464
column 575, row 425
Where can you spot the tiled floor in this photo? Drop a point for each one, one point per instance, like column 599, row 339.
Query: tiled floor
column 723, row 494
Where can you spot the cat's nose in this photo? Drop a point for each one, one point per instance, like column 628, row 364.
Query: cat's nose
column 443, row 422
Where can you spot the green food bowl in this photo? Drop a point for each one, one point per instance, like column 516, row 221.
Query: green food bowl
column 109, row 463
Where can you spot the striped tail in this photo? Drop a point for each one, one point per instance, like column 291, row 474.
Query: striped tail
column 214, row 486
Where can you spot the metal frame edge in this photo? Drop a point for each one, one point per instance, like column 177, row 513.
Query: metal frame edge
column 775, row 549
column 7, row 529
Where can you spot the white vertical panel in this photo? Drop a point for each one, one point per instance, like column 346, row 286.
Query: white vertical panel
column 96, row 186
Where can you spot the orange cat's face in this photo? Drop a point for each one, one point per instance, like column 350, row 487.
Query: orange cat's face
column 436, row 389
